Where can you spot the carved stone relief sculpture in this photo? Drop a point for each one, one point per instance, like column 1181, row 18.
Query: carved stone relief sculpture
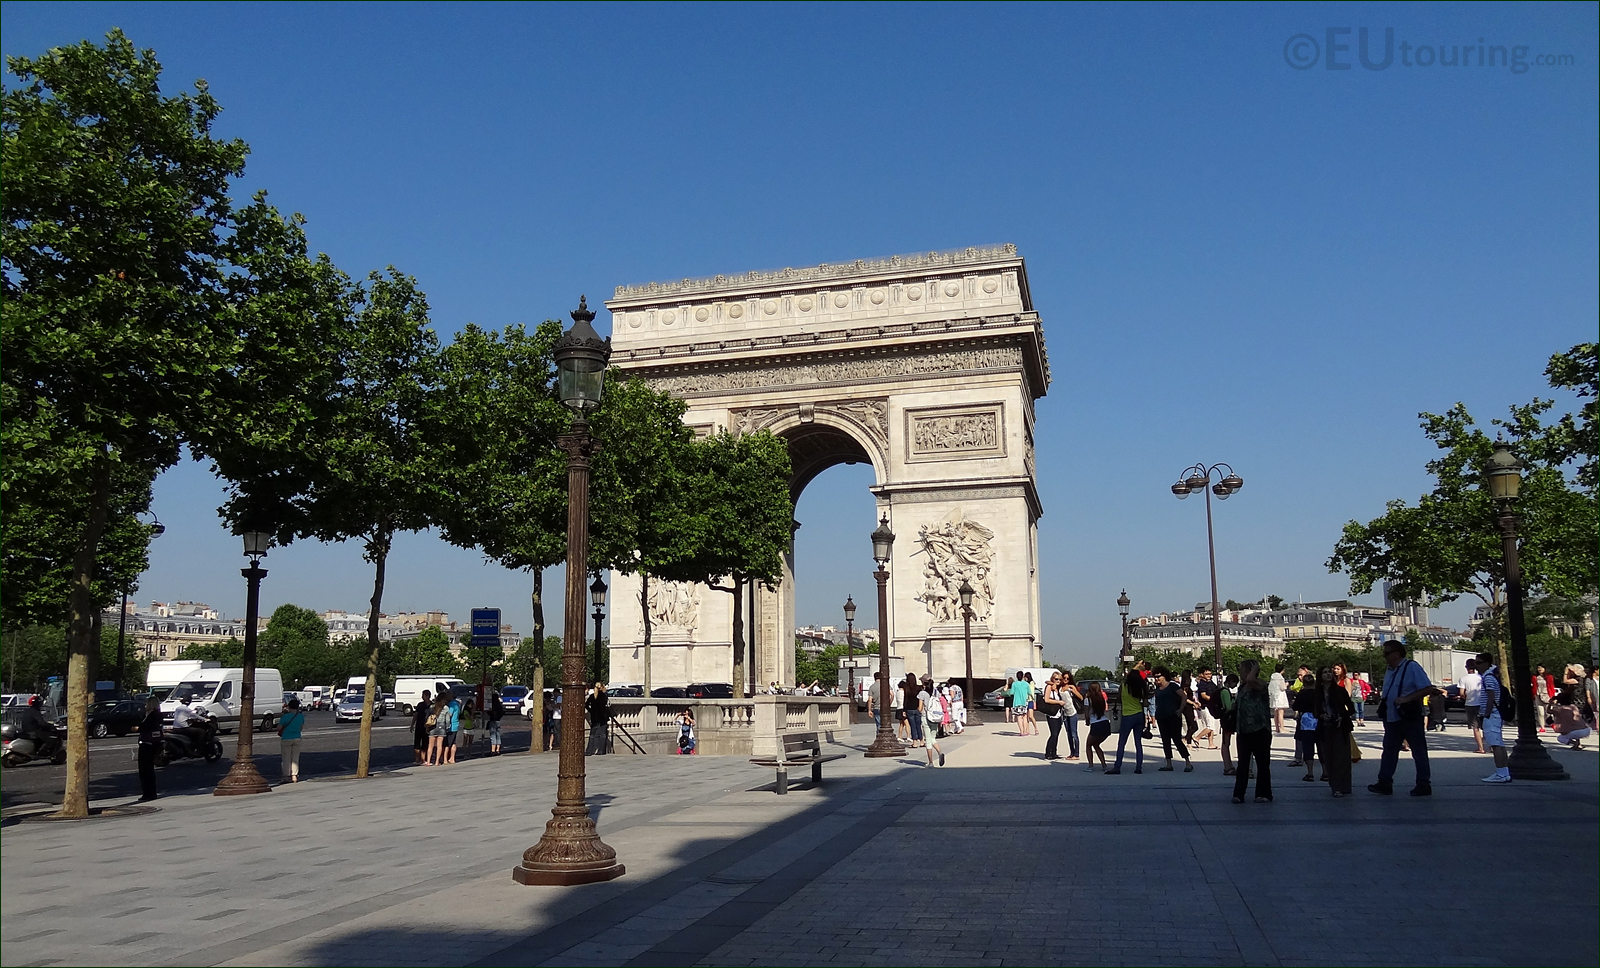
column 674, row 604
column 958, row 549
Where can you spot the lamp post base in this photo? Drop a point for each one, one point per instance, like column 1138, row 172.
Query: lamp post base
column 242, row 780
column 885, row 746
column 1530, row 760
column 570, row 852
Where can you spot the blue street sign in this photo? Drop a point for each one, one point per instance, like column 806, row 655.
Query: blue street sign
column 485, row 628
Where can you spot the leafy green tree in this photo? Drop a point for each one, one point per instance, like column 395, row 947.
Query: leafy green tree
column 1088, row 672
column 644, row 494
column 230, row 652
column 1448, row 544
column 428, row 653
column 822, row 668
column 1317, row 653
column 744, row 521
column 296, row 643
column 117, row 246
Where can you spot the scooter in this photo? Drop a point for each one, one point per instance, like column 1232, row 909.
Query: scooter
column 20, row 749
column 200, row 744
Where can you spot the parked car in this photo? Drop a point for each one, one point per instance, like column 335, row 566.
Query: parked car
column 516, row 698
column 120, row 717
column 625, row 692
column 669, row 692
column 349, row 708
column 709, row 690
column 1113, row 691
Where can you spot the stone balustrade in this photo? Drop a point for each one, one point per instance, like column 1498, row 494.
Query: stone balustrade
column 730, row 727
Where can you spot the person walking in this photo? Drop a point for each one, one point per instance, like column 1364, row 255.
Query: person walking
column 958, row 705
column 1229, row 721
column 419, row 728
column 1544, row 689
column 1169, row 719
column 599, row 707
column 1304, row 704
column 1033, row 703
column 1471, row 696
column 1072, row 704
column 1133, row 698
column 150, row 740
column 912, row 708
column 1591, row 695
column 1021, row 696
column 933, row 707
column 1490, row 720
column 289, row 727
column 553, row 724
column 902, row 725
column 1335, row 726
column 1207, row 698
column 1099, row 725
column 452, row 727
column 497, row 712
column 1255, row 718
column 1278, row 694
column 1403, row 689
column 1050, row 703
column 1189, row 709
column 1005, row 697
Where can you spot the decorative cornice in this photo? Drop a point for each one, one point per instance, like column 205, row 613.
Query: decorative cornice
column 834, row 369
column 826, row 271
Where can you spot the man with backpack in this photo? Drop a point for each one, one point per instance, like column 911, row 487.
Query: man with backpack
column 1493, row 701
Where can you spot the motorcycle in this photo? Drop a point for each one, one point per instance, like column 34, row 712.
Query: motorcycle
column 20, row 749
column 201, row 743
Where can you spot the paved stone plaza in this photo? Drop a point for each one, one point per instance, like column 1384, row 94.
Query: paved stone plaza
column 1000, row 858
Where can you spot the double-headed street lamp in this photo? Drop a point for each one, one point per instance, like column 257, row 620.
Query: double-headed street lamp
column 571, row 851
column 1197, row 478
column 970, row 700
column 1123, row 601
column 156, row 531
column 243, row 777
column 1529, row 759
column 597, row 597
column 882, row 548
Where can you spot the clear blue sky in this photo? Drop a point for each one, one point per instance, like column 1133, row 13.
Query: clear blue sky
column 1235, row 259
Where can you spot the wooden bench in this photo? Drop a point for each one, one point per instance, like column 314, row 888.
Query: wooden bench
column 798, row 749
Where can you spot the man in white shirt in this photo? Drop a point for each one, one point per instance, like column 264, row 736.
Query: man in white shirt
column 1471, row 693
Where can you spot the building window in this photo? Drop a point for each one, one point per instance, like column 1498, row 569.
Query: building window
column 163, row 652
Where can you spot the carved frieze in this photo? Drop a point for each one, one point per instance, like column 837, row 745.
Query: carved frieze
column 958, row 549
column 674, row 604
column 825, row 271
column 955, row 432
column 757, row 376
column 871, row 415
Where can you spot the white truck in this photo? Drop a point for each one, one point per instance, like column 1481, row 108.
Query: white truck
column 218, row 692
column 408, row 689
column 164, row 675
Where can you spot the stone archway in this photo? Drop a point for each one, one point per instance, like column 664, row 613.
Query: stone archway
column 925, row 366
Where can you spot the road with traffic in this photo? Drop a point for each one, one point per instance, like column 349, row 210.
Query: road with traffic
column 329, row 749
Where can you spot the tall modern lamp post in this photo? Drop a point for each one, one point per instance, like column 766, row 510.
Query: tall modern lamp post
column 243, row 777
column 882, row 547
column 156, row 531
column 970, row 699
column 597, row 597
column 1529, row 759
column 1197, row 478
column 571, row 851
column 1123, row 601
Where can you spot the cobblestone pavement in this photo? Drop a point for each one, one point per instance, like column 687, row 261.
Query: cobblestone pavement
column 998, row 858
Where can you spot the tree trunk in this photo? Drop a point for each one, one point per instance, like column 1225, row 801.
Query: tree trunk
column 82, row 643
column 739, row 690
column 537, row 719
column 378, row 554
column 644, row 609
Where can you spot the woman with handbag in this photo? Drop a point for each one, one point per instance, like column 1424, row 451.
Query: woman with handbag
column 1071, row 702
column 1335, row 725
column 1255, row 733
column 438, row 725
column 1305, row 731
column 1050, row 702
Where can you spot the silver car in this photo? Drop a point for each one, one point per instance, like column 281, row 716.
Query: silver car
column 349, row 708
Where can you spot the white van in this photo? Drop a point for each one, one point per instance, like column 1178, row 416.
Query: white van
column 408, row 689
column 218, row 693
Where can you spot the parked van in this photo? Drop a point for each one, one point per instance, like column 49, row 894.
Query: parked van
column 163, row 675
column 218, row 692
column 408, row 689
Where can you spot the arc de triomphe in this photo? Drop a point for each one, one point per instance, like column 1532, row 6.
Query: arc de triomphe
column 925, row 366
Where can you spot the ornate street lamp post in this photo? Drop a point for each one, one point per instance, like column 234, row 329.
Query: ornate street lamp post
column 1529, row 759
column 970, row 700
column 156, row 531
column 882, row 547
column 850, row 627
column 571, row 851
column 243, row 778
column 1195, row 479
column 597, row 597
column 1123, row 601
